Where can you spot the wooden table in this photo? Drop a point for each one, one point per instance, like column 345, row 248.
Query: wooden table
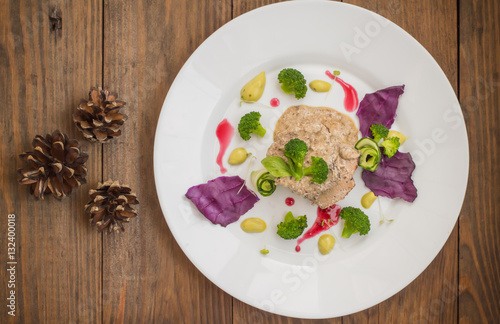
column 67, row 272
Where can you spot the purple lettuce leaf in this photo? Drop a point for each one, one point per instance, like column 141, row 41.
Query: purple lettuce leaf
column 392, row 178
column 221, row 200
column 378, row 108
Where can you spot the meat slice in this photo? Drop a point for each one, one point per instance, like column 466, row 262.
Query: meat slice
column 329, row 135
column 311, row 119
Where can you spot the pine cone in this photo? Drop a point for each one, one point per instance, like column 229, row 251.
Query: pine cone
column 56, row 165
column 98, row 118
column 110, row 206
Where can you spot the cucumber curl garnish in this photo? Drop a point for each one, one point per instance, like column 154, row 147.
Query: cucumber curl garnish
column 263, row 181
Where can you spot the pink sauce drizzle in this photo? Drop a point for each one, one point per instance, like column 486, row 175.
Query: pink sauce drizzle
column 275, row 102
column 289, row 201
column 326, row 218
column 351, row 100
column 224, row 133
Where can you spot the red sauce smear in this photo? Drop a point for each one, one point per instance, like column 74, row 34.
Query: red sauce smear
column 275, row 102
column 326, row 218
column 224, row 133
column 289, row 201
column 351, row 100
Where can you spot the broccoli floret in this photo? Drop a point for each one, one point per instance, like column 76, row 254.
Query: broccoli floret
column 250, row 123
column 292, row 81
column 292, row 227
column 379, row 132
column 295, row 152
column 318, row 169
column 391, row 146
column 355, row 221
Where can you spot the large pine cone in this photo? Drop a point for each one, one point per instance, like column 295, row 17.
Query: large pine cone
column 110, row 206
column 55, row 166
column 98, row 118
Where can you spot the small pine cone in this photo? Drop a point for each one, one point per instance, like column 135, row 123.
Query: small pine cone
column 98, row 118
column 110, row 206
column 55, row 166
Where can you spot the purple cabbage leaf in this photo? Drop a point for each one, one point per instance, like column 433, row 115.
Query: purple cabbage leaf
column 392, row 178
column 378, row 108
column 222, row 200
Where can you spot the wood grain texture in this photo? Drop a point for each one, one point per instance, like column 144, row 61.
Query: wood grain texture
column 146, row 44
column 43, row 74
column 431, row 298
column 479, row 271
column 243, row 313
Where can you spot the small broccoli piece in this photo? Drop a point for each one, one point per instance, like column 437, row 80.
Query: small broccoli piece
column 391, row 146
column 379, row 132
column 292, row 81
column 355, row 221
column 250, row 124
column 292, row 227
column 318, row 169
column 295, row 152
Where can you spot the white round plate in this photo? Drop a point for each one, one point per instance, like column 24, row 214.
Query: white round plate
column 371, row 53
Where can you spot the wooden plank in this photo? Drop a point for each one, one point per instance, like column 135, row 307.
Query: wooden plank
column 243, row 313
column 43, row 74
column 147, row 277
column 479, row 273
column 431, row 298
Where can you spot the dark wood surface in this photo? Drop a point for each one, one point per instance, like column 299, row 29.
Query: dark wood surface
column 69, row 273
